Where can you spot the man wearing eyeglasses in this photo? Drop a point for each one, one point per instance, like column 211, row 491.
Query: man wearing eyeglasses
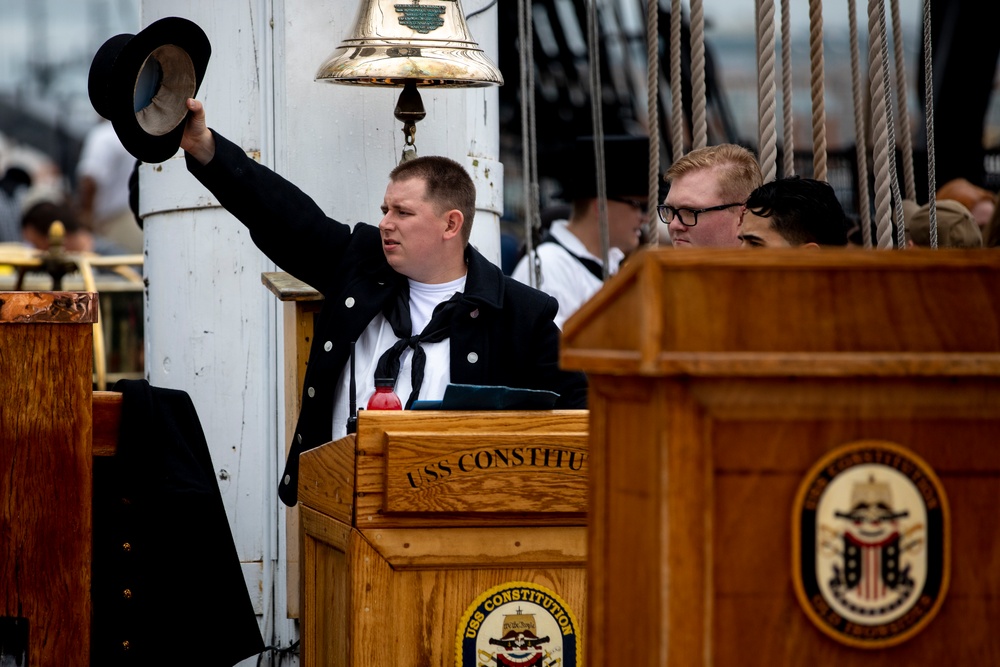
column 570, row 253
column 708, row 188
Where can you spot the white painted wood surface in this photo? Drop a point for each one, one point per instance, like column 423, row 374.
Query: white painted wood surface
column 212, row 329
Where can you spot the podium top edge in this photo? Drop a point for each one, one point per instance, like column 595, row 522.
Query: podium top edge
column 48, row 307
column 798, row 259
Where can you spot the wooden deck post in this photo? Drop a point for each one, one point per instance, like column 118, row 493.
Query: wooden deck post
column 45, row 477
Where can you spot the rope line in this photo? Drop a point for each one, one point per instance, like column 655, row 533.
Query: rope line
column 593, row 45
column 817, row 84
column 902, row 102
column 676, row 99
column 529, row 175
column 767, row 137
column 897, row 203
column 653, row 117
column 929, row 115
column 860, row 128
column 787, row 117
column 699, row 136
column 880, row 145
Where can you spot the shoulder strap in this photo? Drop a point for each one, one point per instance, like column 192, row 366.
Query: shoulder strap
column 591, row 265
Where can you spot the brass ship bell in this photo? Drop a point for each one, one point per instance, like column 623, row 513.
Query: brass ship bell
column 410, row 43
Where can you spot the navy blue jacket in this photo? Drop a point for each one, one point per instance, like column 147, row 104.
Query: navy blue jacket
column 508, row 337
column 167, row 585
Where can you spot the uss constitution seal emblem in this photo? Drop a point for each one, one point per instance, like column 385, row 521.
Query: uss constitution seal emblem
column 870, row 544
column 518, row 624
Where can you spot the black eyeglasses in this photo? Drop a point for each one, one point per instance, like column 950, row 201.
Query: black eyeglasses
column 687, row 216
column 634, row 203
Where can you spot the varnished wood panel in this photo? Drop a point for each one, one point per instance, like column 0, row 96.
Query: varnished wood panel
column 411, row 618
column 469, row 472
column 326, row 479
column 391, row 590
column 948, row 445
column 431, row 604
column 46, row 472
column 753, row 536
column 373, row 615
column 650, row 523
column 717, row 311
column 376, row 428
column 760, row 438
column 429, row 548
column 325, row 593
column 786, row 399
column 767, row 632
column 107, row 414
column 736, row 373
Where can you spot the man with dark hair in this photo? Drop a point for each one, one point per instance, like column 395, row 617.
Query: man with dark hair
column 793, row 212
column 420, row 306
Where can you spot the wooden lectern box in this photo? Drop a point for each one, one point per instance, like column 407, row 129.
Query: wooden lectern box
column 411, row 522
column 45, row 477
column 734, row 397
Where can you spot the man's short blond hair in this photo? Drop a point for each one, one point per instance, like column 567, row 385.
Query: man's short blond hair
column 739, row 173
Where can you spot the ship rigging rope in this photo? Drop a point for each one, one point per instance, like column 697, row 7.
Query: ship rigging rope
column 597, row 118
column 880, row 128
column 529, row 147
column 676, row 99
column 699, row 135
column 787, row 117
column 766, row 133
column 929, row 115
column 653, row 117
column 906, row 143
column 897, row 203
column 860, row 131
column 818, row 83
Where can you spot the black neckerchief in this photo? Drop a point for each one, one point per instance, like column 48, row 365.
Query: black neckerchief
column 397, row 312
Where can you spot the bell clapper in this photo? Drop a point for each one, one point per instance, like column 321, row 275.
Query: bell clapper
column 409, row 110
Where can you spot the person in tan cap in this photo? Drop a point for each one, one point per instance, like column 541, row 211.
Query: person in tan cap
column 956, row 227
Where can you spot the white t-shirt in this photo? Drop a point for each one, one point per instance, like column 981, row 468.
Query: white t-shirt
column 379, row 337
column 563, row 276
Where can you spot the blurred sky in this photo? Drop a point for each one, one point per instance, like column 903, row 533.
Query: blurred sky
column 46, row 46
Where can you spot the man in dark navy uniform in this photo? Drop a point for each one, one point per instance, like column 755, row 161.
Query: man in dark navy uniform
column 420, row 304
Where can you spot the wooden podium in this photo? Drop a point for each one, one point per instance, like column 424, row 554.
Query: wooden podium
column 46, row 368
column 410, row 522
column 729, row 391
